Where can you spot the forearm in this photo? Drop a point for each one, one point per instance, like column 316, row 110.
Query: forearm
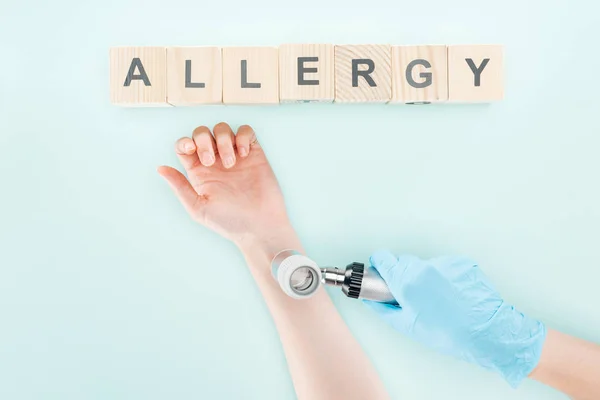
column 570, row 365
column 323, row 357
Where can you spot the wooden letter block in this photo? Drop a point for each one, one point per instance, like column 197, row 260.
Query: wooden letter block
column 475, row 73
column 306, row 73
column 363, row 73
column 194, row 76
column 419, row 74
column 250, row 75
column 138, row 76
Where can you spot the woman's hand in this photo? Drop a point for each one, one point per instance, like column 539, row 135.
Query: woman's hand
column 230, row 187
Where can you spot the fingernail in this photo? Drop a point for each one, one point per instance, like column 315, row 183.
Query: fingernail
column 228, row 161
column 189, row 147
column 243, row 151
column 207, row 158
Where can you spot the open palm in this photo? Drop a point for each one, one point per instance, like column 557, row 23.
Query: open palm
column 230, row 186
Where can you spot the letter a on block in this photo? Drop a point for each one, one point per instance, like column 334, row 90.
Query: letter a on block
column 138, row 76
column 475, row 73
column 363, row 73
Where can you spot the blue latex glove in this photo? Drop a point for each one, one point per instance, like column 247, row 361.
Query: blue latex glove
column 449, row 305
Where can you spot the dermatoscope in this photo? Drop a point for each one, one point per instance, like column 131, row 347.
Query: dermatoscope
column 300, row 277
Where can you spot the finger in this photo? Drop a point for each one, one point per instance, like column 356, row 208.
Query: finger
column 384, row 262
column 384, row 310
column 397, row 272
column 453, row 266
column 225, row 140
column 400, row 319
column 205, row 145
column 181, row 186
column 186, row 152
column 245, row 139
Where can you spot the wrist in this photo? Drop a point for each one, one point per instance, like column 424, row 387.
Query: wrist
column 259, row 250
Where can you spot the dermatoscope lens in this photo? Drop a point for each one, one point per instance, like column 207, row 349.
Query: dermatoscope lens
column 298, row 275
column 302, row 279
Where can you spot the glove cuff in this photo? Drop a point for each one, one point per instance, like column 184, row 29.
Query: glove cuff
column 521, row 341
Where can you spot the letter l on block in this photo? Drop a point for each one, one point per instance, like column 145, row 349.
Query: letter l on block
column 250, row 75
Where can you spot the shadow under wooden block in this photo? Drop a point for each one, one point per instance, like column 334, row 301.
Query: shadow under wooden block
column 363, row 73
column 306, row 73
column 250, row 75
column 194, row 76
column 475, row 73
column 138, row 76
column 419, row 74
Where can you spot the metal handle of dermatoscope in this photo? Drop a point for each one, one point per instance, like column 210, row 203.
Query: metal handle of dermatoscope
column 359, row 282
column 299, row 277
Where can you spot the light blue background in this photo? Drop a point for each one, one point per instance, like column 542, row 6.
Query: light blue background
column 109, row 291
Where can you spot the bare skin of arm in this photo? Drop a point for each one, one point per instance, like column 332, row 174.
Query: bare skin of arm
column 231, row 189
column 570, row 365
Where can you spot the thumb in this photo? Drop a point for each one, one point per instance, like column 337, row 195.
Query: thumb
column 181, row 186
column 399, row 318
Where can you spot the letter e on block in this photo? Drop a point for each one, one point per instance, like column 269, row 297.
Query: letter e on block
column 419, row 74
column 194, row 76
column 475, row 73
column 363, row 73
column 250, row 75
column 138, row 76
column 306, row 73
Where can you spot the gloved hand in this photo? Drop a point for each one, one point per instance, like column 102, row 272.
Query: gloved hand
column 449, row 305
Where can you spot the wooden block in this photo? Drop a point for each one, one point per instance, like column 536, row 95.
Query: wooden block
column 194, row 76
column 475, row 73
column 138, row 76
column 306, row 73
column 419, row 74
column 250, row 75
column 363, row 73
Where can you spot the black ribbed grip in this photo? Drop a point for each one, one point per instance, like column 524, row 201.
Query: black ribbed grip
column 355, row 278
